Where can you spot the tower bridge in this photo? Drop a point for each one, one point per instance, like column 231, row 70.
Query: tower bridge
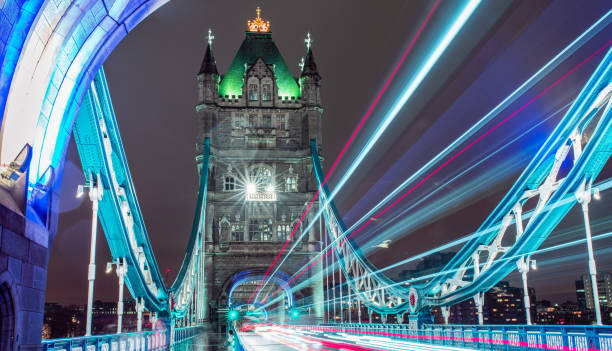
column 270, row 260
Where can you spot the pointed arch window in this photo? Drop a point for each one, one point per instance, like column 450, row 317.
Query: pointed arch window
column 253, row 89
column 291, row 181
column 266, row 92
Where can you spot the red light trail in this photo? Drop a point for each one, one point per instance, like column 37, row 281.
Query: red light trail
column 369, row 111
column 446, row 163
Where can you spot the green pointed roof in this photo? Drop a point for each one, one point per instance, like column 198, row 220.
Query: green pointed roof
column 254, row 46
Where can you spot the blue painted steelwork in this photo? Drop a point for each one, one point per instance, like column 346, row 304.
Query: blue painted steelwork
column 540, row 178
column 466, row 276
column 140, row 341
column 184, row 284
column 99, row 143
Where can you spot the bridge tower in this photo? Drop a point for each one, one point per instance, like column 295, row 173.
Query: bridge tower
column 260, row 120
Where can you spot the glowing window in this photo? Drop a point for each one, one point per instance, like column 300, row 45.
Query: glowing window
column 266, row 92
column 260, row 229
column 283, row 231
column 253, row 92
column 291, row 184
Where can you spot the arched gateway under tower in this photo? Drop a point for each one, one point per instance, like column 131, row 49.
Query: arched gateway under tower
column 260, row 120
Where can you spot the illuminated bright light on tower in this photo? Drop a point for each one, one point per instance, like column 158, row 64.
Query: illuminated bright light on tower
column 233, row 315
column 251, row 188
column 270, row 188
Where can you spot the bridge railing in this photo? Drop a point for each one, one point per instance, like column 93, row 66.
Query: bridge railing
column 489, row 337
column 138, row 341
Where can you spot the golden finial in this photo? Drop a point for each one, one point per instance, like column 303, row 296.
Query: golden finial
column 258, row 25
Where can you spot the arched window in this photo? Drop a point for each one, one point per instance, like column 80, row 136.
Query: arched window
column 266, row 89
column 266, row 92
column 291, row 184
column 253, row 89
column 291, row 181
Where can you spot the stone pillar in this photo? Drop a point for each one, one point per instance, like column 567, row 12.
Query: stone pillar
column 24, row 252
column 205, row 289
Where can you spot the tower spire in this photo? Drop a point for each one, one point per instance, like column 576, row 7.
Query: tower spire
column 308, row 41
column 209, row 65
column 210, row 37
column 309, row 66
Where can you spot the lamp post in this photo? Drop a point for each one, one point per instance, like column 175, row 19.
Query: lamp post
column 139, row 310
column 121, row 272
column 524, row 264
column 95, row 195
column 583, row 195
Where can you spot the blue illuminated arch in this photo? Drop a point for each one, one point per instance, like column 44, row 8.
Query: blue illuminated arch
column 249, row 276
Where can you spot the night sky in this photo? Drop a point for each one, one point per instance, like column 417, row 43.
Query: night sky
column 152, row 82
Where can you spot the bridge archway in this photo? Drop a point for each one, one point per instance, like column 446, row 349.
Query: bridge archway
column 246, row 277
column 53, row 51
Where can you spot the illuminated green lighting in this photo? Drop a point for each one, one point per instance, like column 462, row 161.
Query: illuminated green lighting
column 254, row 46
column 295, row 314
column 233, row 315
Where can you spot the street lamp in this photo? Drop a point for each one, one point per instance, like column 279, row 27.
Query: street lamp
column 524, row 264
column 583, row 196
column 121, row 272
column 95, row 195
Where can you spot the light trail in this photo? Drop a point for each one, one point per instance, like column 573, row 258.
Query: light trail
column 603, row 224
column 398, row 105
column 433, row 192
column 454, row 157
column 369, row 111
column 420, row 334
column 426, row 213
column 535, row 78
column 510, row 258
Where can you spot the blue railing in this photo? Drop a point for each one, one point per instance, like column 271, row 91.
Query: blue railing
column 139, row 341
column 185, row 333
column 489, row 337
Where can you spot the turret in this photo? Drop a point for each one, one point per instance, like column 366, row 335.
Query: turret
column 310, row 78
column 208, row 76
